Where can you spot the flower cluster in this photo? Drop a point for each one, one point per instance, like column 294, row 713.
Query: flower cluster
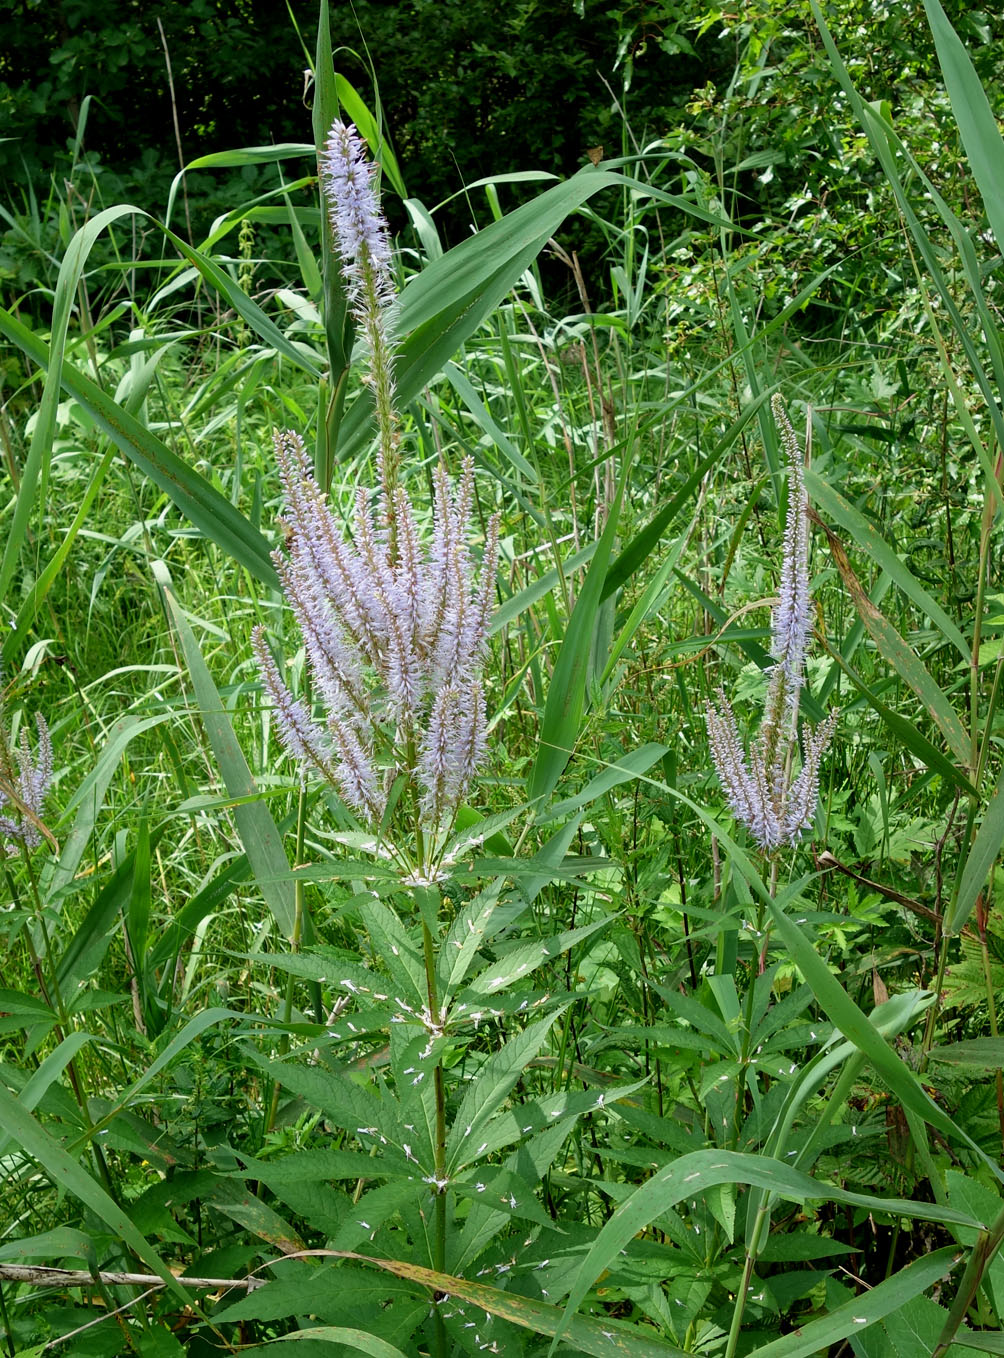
column 363, row 244
column 24, row 785
column 394, row 629
column 762, row 793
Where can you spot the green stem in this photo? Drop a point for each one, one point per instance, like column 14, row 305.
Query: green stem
column 764, row 1206
column 294, row 947
column 987, row 1244
column 439, row 1149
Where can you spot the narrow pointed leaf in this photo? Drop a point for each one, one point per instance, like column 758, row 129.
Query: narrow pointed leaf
column 69, row 1176
column 692, row 1174
column 258, row 831
column 868, row 540
column 200, row 503
column 980, row 859
column 563, row 710
column 903, row 660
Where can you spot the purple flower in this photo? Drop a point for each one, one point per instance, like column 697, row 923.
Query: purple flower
column 363, row 244
column 24, row 785
column 360, row 230
column 763, row 795
column 395, row 632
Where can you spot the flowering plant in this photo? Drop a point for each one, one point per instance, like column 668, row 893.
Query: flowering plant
column 775, row 806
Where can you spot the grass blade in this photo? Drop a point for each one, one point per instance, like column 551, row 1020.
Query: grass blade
column 980, row 859
column 566, row 696
column 67, row 1175
column 203, row 505
column 258, row 831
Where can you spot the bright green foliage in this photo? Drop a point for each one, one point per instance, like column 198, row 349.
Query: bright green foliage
column 615, row 1082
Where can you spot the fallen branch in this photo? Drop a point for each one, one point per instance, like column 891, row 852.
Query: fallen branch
column 81, row 1277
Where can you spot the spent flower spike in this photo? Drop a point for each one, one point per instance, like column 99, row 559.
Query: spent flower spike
column 395, row 640
column 363, row 243
column 774, row 806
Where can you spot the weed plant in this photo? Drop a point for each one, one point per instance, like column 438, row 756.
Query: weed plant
column 488, row 1023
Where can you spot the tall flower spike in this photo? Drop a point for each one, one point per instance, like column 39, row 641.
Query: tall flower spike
column 395, row 640
column 363, row 243
column 763, row 795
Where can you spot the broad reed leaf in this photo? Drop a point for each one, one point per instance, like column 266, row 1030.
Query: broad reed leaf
column 258, row 831
column 980, row 859
column 986, row 1053
column 869, row 541
column 538, row 589
column 462, row 386
column 193, row 1029
column 623, row 770
column 181, row 927
column 26, row 614
column 348, row 1338
column 598, row 1338
column 372, row 132
column 566, row 696
column 86, row 949
column 445, row 304
column 977, row 125
column 251, row 155
column 841, row 1010
column 903, row 660
column 834, row 1000
column 200, row 503
column 906, row 731
column 40, row 1080
column 34, row 473
column 887, row 1299
column 87, row 801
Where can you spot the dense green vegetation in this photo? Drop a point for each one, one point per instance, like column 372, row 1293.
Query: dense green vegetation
column 591, row 1069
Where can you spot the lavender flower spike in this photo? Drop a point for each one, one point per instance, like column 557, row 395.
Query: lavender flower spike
column 395, row 633
column 774, row 806
column 363, row 244
column 791, row 623
column 24, row 786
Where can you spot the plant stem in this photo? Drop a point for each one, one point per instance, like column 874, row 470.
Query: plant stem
column 294, row 947
column 987, row 1244
column 439, row 1149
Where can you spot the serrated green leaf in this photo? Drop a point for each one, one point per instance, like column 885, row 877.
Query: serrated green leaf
column 488, row 1091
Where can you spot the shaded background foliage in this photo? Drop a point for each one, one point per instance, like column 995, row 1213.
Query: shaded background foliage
column 468, row 89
